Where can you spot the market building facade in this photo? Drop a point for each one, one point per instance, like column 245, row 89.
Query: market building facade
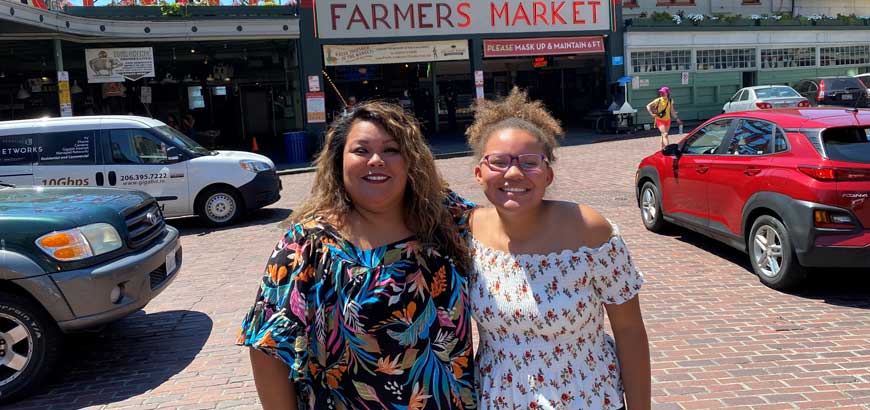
column 437, row 58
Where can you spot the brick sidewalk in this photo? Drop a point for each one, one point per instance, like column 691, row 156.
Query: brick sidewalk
column 719, row 339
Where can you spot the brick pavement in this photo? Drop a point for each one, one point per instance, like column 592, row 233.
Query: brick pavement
column 719, row 339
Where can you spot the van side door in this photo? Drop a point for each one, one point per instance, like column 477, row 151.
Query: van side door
column 17, row 154
column 68, row 158
column 138, row 159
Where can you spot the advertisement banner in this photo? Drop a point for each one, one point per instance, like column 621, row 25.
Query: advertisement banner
column 517, row 47
column 393, row 53
column 109, row 65
column 63, row 94
column 316, row 107
column 413, row 18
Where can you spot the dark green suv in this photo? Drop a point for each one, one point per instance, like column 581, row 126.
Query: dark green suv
column 73, row 259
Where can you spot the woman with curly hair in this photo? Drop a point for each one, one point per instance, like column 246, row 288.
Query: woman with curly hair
column 363, row 304
column 544, row 273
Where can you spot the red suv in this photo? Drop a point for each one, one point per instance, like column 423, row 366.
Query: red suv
column 790, row 187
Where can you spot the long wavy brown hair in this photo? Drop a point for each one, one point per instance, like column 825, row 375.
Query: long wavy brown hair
column 425, row 213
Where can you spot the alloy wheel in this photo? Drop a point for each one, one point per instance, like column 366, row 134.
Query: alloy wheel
column 648, row 206
column 767, row 251
column 16, row 348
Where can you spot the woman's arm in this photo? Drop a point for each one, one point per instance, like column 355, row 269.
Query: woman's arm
column 674, row 112
column 632, row 347
column 649, row 107
column 273, row 385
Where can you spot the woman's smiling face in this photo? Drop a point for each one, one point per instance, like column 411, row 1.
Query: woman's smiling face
column 515, row 189
column 374, row 171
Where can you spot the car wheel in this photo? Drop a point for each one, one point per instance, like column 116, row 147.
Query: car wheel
column 772, row 254
column 29, row 346
column 650, row 208
column 219, row 206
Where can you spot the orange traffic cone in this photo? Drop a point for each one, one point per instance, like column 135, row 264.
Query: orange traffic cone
column 254, row 147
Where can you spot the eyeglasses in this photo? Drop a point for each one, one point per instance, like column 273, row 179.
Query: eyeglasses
column 503, row 162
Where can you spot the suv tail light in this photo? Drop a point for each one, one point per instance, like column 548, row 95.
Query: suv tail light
column 832, row 219
column 763, row 105
column 805, row 103
column 821, row 95
column 828, row 174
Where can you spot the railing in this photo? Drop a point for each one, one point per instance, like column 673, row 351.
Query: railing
column 59, row 5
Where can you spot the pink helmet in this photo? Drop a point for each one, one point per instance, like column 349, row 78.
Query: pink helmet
column 665, row 90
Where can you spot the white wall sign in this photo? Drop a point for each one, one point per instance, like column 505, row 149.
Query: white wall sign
column 313, row 83
column 145, row 94
column 684, row 78
column 391, row 53
column 109, row 65
column 405, row 18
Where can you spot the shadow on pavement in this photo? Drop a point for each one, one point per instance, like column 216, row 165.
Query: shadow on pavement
column 195, row 226
column 835, row 286
column 123, row 360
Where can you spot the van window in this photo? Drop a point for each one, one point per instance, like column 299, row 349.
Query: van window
column 18, row 149
column 848, row 144
column 182, row 140
column 136, row 147
column 67, row 148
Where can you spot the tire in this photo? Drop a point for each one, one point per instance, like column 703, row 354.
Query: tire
column 651, row 208
column 772, row 254
column 30, row 344
column 219, row 206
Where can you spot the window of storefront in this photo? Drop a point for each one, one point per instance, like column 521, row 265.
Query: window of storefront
column 657, row 61
column 726, row 59
column 788, row 57
column 845, row 55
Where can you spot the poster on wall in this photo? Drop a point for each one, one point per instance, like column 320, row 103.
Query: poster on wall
column 517, row 47
column 107, row 65
column 63, row 94
column 394, row 53
column 316, row 107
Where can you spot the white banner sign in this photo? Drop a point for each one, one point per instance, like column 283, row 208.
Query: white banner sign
column 392, row 53
column 405, row 18
column 109, row 65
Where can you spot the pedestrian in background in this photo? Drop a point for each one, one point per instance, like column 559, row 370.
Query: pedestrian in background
column 363, row 304
column 544, row 274
column 662, row 109
column 172, row 121
column 188, row 125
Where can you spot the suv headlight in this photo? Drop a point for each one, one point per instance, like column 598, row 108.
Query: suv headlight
column 254, row 166
column 80, row 243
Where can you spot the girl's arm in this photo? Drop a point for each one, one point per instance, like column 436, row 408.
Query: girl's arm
column 272, row 382
column 674, row 112
column 632, row 348
column 649, row 107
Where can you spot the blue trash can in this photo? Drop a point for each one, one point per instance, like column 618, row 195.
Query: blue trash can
column 294, row 142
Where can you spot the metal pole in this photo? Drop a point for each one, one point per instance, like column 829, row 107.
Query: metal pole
column 435, row 95
column 58, row 55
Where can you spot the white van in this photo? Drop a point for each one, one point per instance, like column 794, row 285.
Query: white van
column 137, row 153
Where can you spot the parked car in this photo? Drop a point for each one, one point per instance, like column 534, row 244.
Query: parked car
column 764, row 97
column 835, row 91
column 789, row 187
column 138, row 153
column 73, row 259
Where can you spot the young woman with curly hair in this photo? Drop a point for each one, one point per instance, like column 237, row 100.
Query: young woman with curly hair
column 363, row 304
column 544, row 274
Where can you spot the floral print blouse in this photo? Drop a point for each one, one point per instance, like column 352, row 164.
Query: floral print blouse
column 386, row 328
column 541, row 324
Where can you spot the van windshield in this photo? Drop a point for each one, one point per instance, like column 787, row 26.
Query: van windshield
column 182, row 140
column 849, row 144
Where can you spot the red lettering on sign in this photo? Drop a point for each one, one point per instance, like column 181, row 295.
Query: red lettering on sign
column 577, row 12
column 539, row 9
column 461, row 10
column 379, row 17
column 521, row 14
column 421, row 15
column 493, row 13
column 407, row 16
column 557, row 12
column 332, row 9
column 594, row 4
column 358, row 17
column 440, row 10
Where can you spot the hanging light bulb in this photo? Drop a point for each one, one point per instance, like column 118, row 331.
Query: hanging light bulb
column 22, row 93
column 75, row 89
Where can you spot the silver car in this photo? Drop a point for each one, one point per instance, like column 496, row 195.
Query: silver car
column 765, row 97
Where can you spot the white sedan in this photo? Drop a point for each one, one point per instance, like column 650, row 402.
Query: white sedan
column 764, row 97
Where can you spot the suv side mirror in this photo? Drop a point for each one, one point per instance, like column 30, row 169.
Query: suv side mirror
column 671, row 150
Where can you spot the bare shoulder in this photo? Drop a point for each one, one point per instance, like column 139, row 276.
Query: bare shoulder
column 480, row 219
column 586, row 226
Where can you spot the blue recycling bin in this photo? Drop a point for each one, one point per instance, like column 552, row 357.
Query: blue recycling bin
column 294, row 142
